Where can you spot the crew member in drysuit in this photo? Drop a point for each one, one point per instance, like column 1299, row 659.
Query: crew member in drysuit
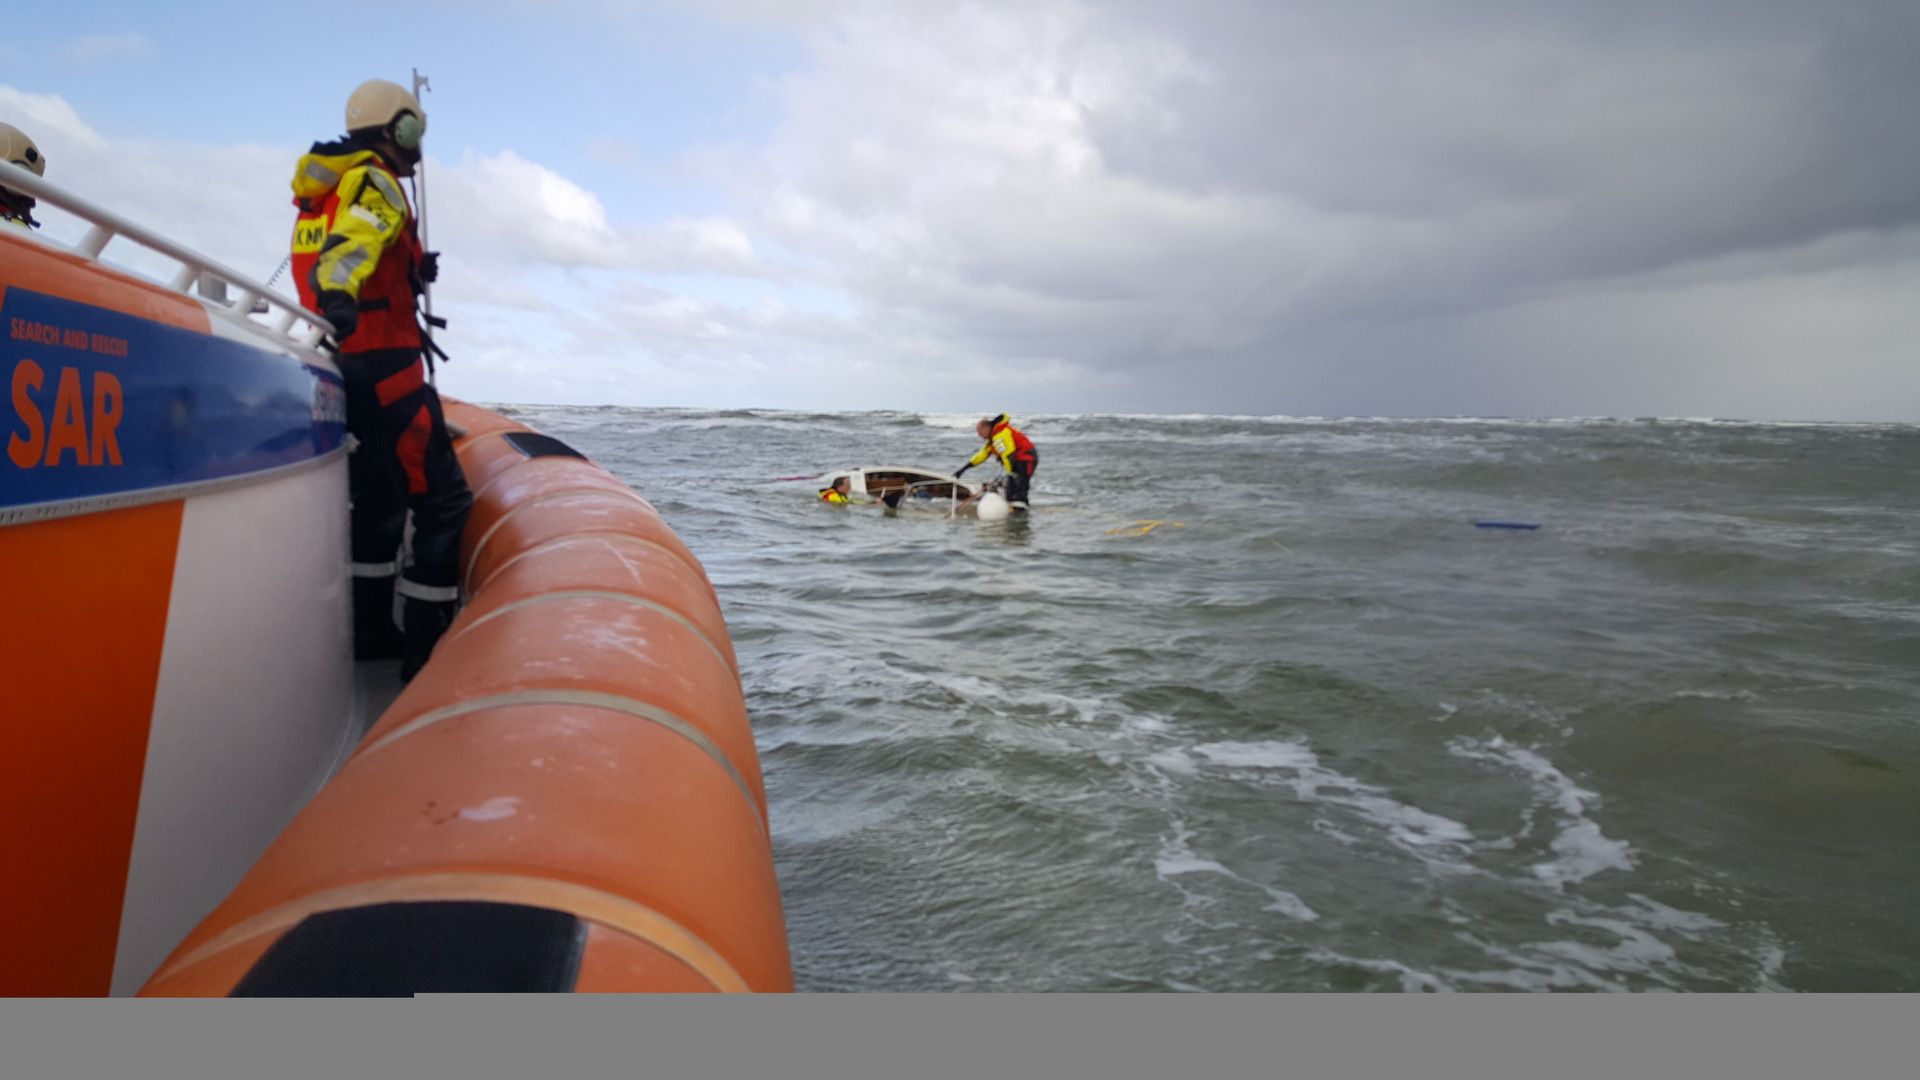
column 16, row 207
column 1016, row 452
column 837, row 494
column 357, row 259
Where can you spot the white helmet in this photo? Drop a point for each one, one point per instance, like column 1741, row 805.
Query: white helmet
column 387, row 107
column 17, row 149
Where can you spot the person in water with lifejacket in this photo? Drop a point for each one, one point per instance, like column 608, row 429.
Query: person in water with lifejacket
column 16, row 207
column 1016, row 452
column 358, row 261
column 837, row 495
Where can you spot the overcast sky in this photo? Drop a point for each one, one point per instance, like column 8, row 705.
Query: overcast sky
column 1311, row 207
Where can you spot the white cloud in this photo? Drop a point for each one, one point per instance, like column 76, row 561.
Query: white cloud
column 92, row 48
column 48, row 120
column 1317, row 206
column 509, row 207
column 504, row 207
column 1146, row 191
column 517, row 236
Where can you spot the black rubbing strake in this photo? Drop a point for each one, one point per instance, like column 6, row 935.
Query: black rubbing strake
column 432, row 947
column 533, row 444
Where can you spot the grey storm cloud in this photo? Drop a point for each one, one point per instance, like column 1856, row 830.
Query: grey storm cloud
column 1553, row 142
column 1341, row 204
column 1687, row 207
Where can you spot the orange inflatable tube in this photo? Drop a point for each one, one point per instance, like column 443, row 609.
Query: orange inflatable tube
column 566, row 798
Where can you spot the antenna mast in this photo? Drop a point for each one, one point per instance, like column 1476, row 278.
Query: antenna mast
column 420, row 168
column 420, row 84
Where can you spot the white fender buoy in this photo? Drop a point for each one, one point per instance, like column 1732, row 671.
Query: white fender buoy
column 993, row 507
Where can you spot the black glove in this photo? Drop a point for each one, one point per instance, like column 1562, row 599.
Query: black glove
column 342, row 311
column 962, row 469
column 430, row 267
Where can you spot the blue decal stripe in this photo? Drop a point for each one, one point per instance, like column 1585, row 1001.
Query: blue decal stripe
column 97, row 404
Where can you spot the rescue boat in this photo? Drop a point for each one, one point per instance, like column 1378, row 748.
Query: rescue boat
column 203, row 793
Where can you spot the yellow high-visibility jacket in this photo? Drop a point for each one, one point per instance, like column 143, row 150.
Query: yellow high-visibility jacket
column 1007, row 443
column 355, row 235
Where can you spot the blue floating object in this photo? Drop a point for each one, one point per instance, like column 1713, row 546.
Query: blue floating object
column 1488, row 523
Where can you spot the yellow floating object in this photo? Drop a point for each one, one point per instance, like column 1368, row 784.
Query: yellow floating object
column 1142, row 528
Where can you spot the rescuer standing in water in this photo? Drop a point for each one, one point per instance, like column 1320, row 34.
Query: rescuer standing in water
column 358, row 260
column 1016, row 452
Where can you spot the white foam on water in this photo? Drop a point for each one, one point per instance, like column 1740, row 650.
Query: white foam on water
column 811, row 822
column 1535, row 976
column 1410, row 825
column 1718, row 695
column 1167, row 866
column 754, row 423
column 1772, row 959
column 1412, row 980
column 998, row 699
column 1262, row 755
column 1660, row 916
column 1285, row 903
column 1642, row 931
column 1177, row 858
column 949, row 421
column 1327, row 829
column 1173, row 761
column 1582, row 849
column 821, row 735
column 1407, row 826
column 1636, row 949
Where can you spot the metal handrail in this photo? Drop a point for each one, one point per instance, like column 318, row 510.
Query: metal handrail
column 212, row 278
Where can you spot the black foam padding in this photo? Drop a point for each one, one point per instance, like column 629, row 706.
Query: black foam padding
column 533, row 444
column 429, row 947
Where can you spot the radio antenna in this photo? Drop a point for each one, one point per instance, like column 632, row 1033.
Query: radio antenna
column 421, row 84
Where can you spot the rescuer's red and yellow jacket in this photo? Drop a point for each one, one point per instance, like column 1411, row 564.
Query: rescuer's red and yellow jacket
column 356, row 235
column 1005, row 441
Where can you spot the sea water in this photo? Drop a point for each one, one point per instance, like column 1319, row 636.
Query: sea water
column 1250, row 704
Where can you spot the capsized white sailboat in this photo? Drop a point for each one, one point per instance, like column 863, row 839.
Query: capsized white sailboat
column 913, row 486
column 906, row 481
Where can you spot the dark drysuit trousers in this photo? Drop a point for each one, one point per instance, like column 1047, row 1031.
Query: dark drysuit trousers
column 404, row 463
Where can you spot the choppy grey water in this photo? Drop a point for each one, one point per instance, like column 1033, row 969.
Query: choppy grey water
column 1316, row 731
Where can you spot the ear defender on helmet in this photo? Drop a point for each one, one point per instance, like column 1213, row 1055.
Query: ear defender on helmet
column 388, row 110
column 407, row 130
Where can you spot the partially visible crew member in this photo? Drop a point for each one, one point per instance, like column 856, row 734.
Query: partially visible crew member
column 1016, row 452
column 357, row 259
column 16, row 207
column 837, row 494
